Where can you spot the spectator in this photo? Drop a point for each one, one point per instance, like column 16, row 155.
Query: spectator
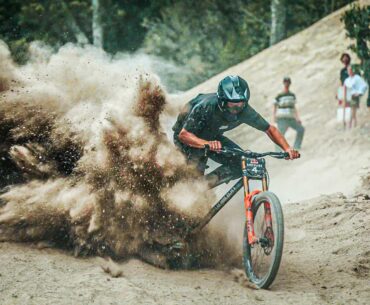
column 285, row 113
column 356, row 87
column 346, row 60
column 343, row 112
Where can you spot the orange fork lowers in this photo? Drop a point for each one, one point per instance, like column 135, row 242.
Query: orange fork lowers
column 249, row 213
column 252, row 239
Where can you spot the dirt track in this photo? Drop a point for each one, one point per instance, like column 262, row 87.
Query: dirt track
column 326, row 261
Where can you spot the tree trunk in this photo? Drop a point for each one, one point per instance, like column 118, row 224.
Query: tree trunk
column 278, row 21
column 326, row 7
column 96, row 25
column 332, row 5
column 77, row 32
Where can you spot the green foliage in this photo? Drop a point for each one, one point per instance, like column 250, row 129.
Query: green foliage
column 208, row 36
column 41, row 20
column 46, row 20
column 357, row 24
column 202, row 37
column 303, row 13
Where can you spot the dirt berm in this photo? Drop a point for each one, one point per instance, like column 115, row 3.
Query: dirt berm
column 326, row 257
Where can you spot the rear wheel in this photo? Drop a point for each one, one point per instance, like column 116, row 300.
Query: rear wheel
column 262, row 260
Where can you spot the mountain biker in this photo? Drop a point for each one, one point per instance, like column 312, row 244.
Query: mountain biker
column 206, row 117
column 285, row 113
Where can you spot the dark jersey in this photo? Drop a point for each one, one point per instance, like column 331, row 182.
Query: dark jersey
column 203, row 117
column 343, row 75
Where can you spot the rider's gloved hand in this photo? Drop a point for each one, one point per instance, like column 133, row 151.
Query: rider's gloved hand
column 293, row 154
column 215, row 145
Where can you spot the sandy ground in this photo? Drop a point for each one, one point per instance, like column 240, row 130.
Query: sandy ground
column 327, row 250
column 326, row 261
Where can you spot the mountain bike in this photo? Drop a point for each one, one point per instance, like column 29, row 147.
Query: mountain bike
column 264, row 227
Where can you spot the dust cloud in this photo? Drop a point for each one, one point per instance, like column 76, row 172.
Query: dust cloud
column 86, row 164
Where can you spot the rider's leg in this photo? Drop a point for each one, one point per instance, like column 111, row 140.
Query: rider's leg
column 194, row 156
column 230, row 168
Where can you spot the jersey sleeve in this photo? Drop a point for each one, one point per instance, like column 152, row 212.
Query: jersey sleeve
column 196, row 120
column 254, row 119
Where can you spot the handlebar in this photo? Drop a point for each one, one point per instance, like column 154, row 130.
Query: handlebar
column 236, row 152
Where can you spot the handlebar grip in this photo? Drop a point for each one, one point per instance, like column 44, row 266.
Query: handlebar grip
column 282, row 155
column 285, row 155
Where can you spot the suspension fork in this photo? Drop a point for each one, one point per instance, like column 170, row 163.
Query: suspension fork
column 267, row 206
column 248, row 197
column 248, row 200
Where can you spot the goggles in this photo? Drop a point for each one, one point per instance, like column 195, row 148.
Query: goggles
column 235, row 107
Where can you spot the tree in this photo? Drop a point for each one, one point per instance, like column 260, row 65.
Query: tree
column 201, row 37
column 278, row 21
column 78, row 33
column 357, row 24
column 97, row 28
column 205, row 37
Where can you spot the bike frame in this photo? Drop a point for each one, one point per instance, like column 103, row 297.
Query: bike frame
column 248, row 199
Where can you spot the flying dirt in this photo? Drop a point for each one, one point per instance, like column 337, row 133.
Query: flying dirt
column 87, row 165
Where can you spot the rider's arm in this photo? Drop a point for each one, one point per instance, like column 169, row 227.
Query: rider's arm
column 275, row 135
column 193, row 125
column 255, row 120
column 192, row 140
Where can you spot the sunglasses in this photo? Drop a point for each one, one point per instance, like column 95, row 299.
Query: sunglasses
column 231, row 107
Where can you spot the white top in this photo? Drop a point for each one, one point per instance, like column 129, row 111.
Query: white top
column 356, row 85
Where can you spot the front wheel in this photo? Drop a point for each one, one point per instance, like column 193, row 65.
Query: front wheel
column 262, row 260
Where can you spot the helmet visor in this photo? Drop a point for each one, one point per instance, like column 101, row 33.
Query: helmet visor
column 235, row 108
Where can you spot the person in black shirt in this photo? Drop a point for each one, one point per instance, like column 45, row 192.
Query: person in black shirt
column 204, row 120
column 346, row 60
